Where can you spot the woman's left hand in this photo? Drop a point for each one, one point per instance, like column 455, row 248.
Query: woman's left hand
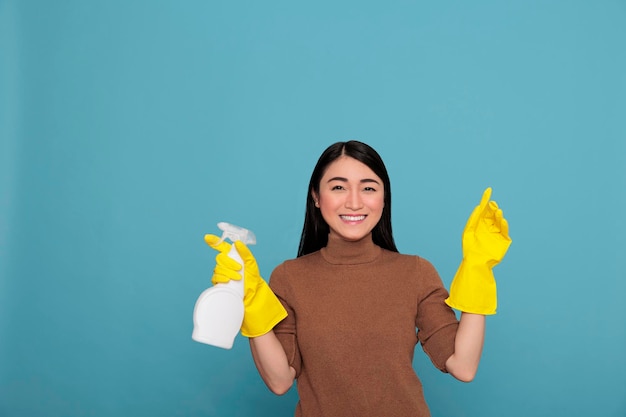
column 486, row 236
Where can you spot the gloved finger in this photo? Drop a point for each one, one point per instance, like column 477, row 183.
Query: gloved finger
column 485, row 198
column 504, row 229
column 499, row 216
column 493, row 221
column 245, row 254
column 226, row 272
column 220, row 279
column 487, row 209
column 217, row 243
column 227, row 262
column 479, row 211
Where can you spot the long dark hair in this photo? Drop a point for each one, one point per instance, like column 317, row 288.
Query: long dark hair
column 315, row 231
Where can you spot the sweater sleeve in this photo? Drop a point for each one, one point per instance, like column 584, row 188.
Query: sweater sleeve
column 435, row 321
column 286, row 330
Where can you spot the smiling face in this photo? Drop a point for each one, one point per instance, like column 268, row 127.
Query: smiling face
column 351, row 198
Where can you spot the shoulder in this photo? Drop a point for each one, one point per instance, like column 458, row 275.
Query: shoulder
column 414, row 260
column 301, row 262
column 295, row 267
column 412, row 264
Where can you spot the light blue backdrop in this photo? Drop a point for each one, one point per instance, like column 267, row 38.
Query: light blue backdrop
column 129, row 129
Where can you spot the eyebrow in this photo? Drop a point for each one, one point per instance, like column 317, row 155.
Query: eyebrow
column 343, row 179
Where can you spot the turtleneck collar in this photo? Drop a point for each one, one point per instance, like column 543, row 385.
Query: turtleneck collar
column 342, row 252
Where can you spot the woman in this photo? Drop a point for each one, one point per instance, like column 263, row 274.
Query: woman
column 341, row 318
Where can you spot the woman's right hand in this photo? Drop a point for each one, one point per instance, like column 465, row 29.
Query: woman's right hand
column 262, row 309
column 226, row 268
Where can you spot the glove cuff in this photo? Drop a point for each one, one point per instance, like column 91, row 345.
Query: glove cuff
column 473, row 289
column 262, row 311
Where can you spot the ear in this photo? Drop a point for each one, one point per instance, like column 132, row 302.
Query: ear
column 316, row 199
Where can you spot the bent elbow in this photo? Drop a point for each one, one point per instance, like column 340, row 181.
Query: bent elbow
column 279, row 383
column 463, row 370
column 280, row 388
column 466, row 375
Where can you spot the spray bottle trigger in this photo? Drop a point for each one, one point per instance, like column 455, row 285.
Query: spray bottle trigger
column 235, row 233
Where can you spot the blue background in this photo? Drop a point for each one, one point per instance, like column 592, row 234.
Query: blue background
column 130, row 128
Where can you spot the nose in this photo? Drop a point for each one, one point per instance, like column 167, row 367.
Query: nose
column 353, row 200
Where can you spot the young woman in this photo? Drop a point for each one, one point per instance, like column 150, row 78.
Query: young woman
column 341, row 318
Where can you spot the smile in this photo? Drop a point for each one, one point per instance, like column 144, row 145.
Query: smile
column 352, row 218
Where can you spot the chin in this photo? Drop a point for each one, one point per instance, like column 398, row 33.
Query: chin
column 354, row 237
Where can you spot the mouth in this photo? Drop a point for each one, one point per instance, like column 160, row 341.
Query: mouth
column 347, row 218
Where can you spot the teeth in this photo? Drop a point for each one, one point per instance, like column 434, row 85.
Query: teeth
column 353, row 218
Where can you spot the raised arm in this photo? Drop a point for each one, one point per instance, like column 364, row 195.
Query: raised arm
column 468, row 346
column 473, row 290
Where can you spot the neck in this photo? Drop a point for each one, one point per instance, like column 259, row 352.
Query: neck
column 344, row 252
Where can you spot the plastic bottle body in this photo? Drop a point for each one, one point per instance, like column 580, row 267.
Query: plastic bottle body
column 218, row 313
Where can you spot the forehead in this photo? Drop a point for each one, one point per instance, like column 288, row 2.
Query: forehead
column 349, row 168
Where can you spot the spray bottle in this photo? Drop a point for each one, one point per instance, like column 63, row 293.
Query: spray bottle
column 218, row 313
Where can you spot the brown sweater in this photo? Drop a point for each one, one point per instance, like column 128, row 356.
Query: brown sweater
column 351, row 330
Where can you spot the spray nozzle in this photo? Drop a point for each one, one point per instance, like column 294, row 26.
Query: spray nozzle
column 234, row 233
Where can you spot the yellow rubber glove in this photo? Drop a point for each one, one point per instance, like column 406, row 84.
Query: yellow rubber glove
column 485, row 242
column 262, row 309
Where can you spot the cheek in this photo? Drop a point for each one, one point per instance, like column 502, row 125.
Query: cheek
column 328, row 201
column 377, row 203
column 327, row 208
column 325, row 205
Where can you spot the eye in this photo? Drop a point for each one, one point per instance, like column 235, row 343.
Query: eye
column 337, row 187
column 369, row 189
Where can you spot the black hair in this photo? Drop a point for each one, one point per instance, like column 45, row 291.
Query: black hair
column 315, row 231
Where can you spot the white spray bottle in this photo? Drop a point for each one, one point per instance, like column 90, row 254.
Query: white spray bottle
column 218, row 313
